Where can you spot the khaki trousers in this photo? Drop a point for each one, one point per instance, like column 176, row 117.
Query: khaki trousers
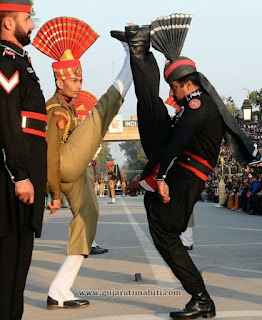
column 111, row 189
column 101, row 189
column 76, row 154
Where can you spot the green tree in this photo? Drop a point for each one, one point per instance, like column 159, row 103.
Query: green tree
column 255, row 98
column 258, row 113
column 230, row 104
column 136, row 158
column 32, row 10
column 103, row 157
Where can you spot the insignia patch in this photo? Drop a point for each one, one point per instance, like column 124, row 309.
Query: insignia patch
column 61, row 124
column 9, row 84
column 79, row 71
column 30, row 70
column 195, row 104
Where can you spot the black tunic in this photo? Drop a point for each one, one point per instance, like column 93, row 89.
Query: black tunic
column 22, row 155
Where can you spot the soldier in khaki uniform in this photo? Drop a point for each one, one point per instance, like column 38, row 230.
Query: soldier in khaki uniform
column 70, row 150
column 96, row 184
column 123, row 183
column 84, row 104
column 112, row 178
column 102, row 185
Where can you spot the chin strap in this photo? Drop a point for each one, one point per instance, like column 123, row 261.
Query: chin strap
column 124, row 79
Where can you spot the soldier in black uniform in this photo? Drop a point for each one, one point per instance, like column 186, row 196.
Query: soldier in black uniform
column 22, row 155
column 181, row 154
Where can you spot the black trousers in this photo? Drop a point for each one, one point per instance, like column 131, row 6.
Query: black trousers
column 166, row 221
column 15, row 258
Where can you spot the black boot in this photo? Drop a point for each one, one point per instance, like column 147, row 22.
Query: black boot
column 119, row 35
column 200, row 305
column 138, row 39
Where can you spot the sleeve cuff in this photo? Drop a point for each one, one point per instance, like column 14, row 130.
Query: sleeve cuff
column 21, row 180
column 146, row 186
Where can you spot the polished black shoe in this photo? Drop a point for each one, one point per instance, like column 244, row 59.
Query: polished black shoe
column 200, row 305
column 98, row 250
column 138, row 39
column 119, row 35
column 70, row 304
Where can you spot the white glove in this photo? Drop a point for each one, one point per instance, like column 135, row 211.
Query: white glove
column 124, row 79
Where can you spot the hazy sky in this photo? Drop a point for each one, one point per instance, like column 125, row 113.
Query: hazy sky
column 224, row 40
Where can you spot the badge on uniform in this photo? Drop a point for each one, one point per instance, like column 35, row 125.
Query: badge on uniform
column 30, row 70
column 61, row 124
column 194, row 103
column 9, row 84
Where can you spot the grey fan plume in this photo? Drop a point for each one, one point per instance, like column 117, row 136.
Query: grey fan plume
column 168, row 34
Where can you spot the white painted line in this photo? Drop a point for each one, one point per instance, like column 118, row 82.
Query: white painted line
column 230, row 228
column 64, row 249
column 239, row 314
column 134, row 317
column 161, row 272
column 222, row 315
column 229, row 244
column 50, row 251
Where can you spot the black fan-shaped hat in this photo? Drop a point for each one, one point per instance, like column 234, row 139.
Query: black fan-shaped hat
column 168, row 34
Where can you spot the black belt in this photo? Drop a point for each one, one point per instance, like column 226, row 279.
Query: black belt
column 199, row 166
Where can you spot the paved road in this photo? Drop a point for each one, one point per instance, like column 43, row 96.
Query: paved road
column 228, row 250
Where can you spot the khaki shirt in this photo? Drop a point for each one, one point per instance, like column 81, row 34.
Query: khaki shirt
column 62, row 120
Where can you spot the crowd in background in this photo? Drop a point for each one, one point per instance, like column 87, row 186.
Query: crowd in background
column 242, row 186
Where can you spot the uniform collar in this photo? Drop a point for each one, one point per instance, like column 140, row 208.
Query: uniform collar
column 62, row 100
column 14, row 47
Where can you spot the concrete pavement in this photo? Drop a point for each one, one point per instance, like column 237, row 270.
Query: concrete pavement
column 227, row 248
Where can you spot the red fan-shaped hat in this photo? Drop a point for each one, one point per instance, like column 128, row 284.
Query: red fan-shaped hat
column 84, row 104
column 65, row 39
column 171, row 102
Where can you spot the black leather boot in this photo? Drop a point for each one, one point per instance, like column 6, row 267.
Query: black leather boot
column 200, row 305
column 138, row 39
column 119, row 35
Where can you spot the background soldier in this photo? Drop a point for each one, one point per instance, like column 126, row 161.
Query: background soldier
column 123, row 183
column 102, row 185
column 22, row 155
column 112, row 179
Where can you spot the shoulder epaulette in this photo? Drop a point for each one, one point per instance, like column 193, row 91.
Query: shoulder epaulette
column 61, row 113
column 53, row 106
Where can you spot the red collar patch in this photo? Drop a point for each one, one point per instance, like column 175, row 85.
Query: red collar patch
column 194, row 103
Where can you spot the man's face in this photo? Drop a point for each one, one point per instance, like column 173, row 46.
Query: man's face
column 178, row 91
column 70, row 88
column 23, row 28
column 116, row 122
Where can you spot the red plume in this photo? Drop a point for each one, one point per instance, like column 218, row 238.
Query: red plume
column 83, row 104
